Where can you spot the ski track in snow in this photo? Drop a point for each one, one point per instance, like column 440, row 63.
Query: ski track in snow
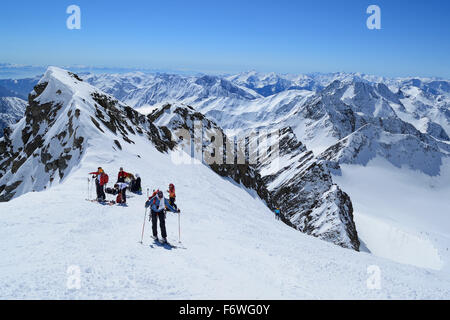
column 234, row 248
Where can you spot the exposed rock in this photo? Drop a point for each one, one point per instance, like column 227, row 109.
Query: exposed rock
column 302, row 187
column 118, row 144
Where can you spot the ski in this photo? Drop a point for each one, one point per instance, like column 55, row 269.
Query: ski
column 122, row 205
column 104, row 203
column 166, row 245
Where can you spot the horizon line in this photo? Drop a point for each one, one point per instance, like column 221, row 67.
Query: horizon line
column 7, row 71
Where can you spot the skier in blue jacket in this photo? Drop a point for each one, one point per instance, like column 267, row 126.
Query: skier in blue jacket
column 158, row 205
column 277, row 213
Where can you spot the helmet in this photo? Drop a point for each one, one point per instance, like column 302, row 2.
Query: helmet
column 171, row 186
column 160, row 194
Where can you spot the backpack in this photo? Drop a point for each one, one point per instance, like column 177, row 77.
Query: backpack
column 111, row 191
column 171, row 191
column 154, row 194
column 104, row 179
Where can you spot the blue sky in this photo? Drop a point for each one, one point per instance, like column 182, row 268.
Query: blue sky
column 231, row 36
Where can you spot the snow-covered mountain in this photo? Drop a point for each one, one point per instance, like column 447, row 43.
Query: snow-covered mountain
column 268, row 84
column 235, row 103
column 11, row 111
column 303, row 189
column 142, row 90
column 427, row 105
column 365, row 115
column 63, row 118
column 230, row 239
column 272, row 83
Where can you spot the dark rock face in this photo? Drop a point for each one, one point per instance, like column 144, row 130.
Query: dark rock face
column 302, row 187
column 126, row 122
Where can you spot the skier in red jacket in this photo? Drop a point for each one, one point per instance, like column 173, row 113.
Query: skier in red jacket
column 122, row 175
column 101, row 179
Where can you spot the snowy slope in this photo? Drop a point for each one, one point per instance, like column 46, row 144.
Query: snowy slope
column 401, row 214
column 230, row 242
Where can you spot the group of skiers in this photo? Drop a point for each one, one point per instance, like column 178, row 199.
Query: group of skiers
column 157, row 203
column 125, row 181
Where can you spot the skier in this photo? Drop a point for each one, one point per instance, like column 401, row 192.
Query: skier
column 101, row 179
column 138, row 183
column 158, row 205
column 135, row 185
column 121, row 188
column 277, row 213
column 172, row 195
column 122, row 175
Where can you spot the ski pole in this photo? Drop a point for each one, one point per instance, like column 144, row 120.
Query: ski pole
column 143, row 226
column 89, row 184
column 90, row 190
column 148, row 193
column 179, row 228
